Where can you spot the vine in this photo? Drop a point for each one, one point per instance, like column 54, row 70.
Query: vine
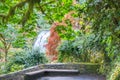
column 53, row 42
column 55, row 39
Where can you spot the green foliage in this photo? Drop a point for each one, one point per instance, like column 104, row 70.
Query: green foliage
column 57, row 10
column 100, row 44
column 12, row 34
column 76, row 51
column 69, row 33
column 8, row 35
column 19, row 42
column 21, row 60
column 49, row 8
column 16, row 67
column 29, row 58
column 8, row 32
column 104, row 31
column 41, row 22
column 103, row 17
column 104, row 37
column 114, row 73
column 68, row 51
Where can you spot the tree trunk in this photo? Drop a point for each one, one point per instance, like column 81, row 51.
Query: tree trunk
column 0, row 55
column 6, row 52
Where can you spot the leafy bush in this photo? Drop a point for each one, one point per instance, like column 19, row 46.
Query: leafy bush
column 115, row 70
column 78, row 50
column 67, row 52
column 16, row 67
column 29, row 58
column 24, row 59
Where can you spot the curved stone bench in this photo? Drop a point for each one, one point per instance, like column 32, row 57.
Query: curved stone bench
column 84, row 68
column 49, row 72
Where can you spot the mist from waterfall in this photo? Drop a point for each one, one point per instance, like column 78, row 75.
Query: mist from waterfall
column 41, row 41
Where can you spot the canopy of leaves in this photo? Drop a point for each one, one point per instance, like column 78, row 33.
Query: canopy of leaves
column 103, row 16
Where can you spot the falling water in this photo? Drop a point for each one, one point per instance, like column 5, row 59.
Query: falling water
column 41, row 41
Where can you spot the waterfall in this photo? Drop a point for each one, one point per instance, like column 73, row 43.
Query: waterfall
column 41, row 41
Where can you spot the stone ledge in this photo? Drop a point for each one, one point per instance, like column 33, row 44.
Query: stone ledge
column 49, row 72
column 87, row 68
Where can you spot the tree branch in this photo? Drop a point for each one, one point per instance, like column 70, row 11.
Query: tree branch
column 26, row 16
column 2, row 39
column 41, row 8
column 12, row 10
column 48, row 3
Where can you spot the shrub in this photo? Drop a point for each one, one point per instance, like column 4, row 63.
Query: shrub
column 29, row 58
column 78, row 51
column 24, row 59
column 68, row 52
column 115, row 70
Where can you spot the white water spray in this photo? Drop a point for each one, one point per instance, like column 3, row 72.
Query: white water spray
column 41, row 41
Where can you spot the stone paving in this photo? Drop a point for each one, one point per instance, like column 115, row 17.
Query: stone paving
column 80, row 77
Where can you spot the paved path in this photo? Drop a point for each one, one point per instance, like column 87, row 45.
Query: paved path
column 80, row 77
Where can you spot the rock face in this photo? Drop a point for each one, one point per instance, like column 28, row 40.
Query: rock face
column 84, row 68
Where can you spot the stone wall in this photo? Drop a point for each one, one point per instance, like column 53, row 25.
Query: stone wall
column 84, row 68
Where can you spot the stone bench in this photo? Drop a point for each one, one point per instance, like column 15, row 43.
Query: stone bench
column 84, row 68
column 49, row 72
